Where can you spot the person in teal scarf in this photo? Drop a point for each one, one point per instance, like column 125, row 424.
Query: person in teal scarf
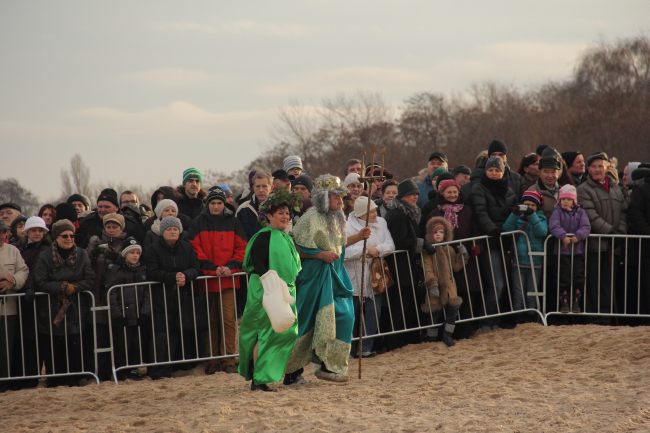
column 263, row 352
column 324, row 290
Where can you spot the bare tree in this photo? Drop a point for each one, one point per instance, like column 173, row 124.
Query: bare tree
column 77, row 178
column 12, row 192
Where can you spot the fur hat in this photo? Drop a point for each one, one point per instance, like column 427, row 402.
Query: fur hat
column 192, row 173
column 114, row 218
column 34, row 222
column 60, row 227
column 131, row 245
column 495, row 162
column 407, row 187
column 361, row 206
column 533, row 196
column 164, row 204
column 434, row 224
column 169, row 222
column 292, row 161
column 569, row 191
column 497, row 146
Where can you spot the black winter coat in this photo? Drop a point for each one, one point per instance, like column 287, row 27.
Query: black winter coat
column 51, row 270
column 128, row 302
column 163, row 262
column 491, row 204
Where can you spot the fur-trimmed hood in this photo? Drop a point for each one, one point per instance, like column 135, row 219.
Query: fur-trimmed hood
column 449, row 231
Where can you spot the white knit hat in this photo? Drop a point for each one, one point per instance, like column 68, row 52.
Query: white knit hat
column 350, row 179
column 292, row 161
column 164, row 204
column 35, row 222
column 361, row 206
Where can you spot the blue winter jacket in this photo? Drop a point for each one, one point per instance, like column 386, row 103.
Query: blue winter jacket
column 536, row 227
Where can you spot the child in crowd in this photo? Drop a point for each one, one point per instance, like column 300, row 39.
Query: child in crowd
column 440, row 263
column 528, row 217
column 570, row 224
column 130, row 308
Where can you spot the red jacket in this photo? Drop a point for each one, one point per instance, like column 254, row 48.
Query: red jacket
column 218, row 240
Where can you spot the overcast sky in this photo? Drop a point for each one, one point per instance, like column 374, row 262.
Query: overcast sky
column 143, row 89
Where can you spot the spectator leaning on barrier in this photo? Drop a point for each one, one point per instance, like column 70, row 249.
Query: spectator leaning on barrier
column 453, row 206
column 440, row 263
column 219, row 241
column 639, row 224
column 191, row 193
column 64, row 272
column 130, row 308
column 569, row 223
column 378, row 244
column 403, row 219
column 13, row 275
column 436, row 160
column 528, row 217
column 172, row 261
column 439, row 175
column 35, row 242
column 606, row 207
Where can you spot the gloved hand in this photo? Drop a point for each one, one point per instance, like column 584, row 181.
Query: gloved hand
column 462, row 250
column 434, row 291
column 476, row 250
column 529, row 211
column 29, row 295
column 429, row 247
column 70, row 289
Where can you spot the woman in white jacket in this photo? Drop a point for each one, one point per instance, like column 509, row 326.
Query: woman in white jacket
column 379, row 244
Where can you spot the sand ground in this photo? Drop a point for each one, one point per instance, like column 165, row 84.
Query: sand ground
column 582, row 378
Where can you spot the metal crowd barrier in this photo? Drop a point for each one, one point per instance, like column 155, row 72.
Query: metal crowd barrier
column 615, row 283
column 184, row 339
column 50, row 351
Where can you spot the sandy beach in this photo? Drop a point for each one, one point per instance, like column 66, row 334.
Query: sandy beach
column 530, row 379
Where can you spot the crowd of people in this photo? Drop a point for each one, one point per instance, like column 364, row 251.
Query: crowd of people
column 327, row 240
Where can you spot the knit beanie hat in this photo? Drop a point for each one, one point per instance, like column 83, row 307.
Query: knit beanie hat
column 533, row 196
column 280, row 174
column 215, row 193
column 292, row 161
column 569, row 191
column 361, row 206
column 34, row 222
column 570, row 157
column 60, row 227
column 540, row 149
column 164, row 204
column 407, row 187
column 442, row 186
column 495, row 162
column 350, row 179
column 497, row 146
column 192, row 173
column 170, row 221
column 81, row 198
column 65, row 211
column 438, row 171
column 113, row 218
column 549, row 162
column 597, row 156
column 305, row 181
column 13, row 206
column 462, row 169
column 131, row 245
column 109, row 195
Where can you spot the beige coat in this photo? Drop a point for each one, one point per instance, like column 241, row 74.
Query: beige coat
column 12, row 262
column 439, row 269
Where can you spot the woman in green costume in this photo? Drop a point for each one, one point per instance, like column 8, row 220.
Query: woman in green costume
column 263, row 353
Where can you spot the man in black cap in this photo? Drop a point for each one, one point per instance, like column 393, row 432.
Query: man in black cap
column 498, row 148
column 436, row 160
column 547, row 183
column 462, row 174
column 606, row 207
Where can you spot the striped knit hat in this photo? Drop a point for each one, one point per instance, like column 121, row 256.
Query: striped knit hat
column 192, row 173
column 533, row 196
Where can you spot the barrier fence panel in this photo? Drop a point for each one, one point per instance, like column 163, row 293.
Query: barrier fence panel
column 155, row 326
column 42, row 336
column 607, row 277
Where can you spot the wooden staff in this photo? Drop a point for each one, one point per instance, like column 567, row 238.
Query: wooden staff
column 366, row 180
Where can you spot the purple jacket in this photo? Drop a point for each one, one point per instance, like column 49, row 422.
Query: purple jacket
column 575, row 221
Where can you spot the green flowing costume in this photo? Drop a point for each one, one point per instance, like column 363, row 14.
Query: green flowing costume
column 324, row 297
column 273, row 348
